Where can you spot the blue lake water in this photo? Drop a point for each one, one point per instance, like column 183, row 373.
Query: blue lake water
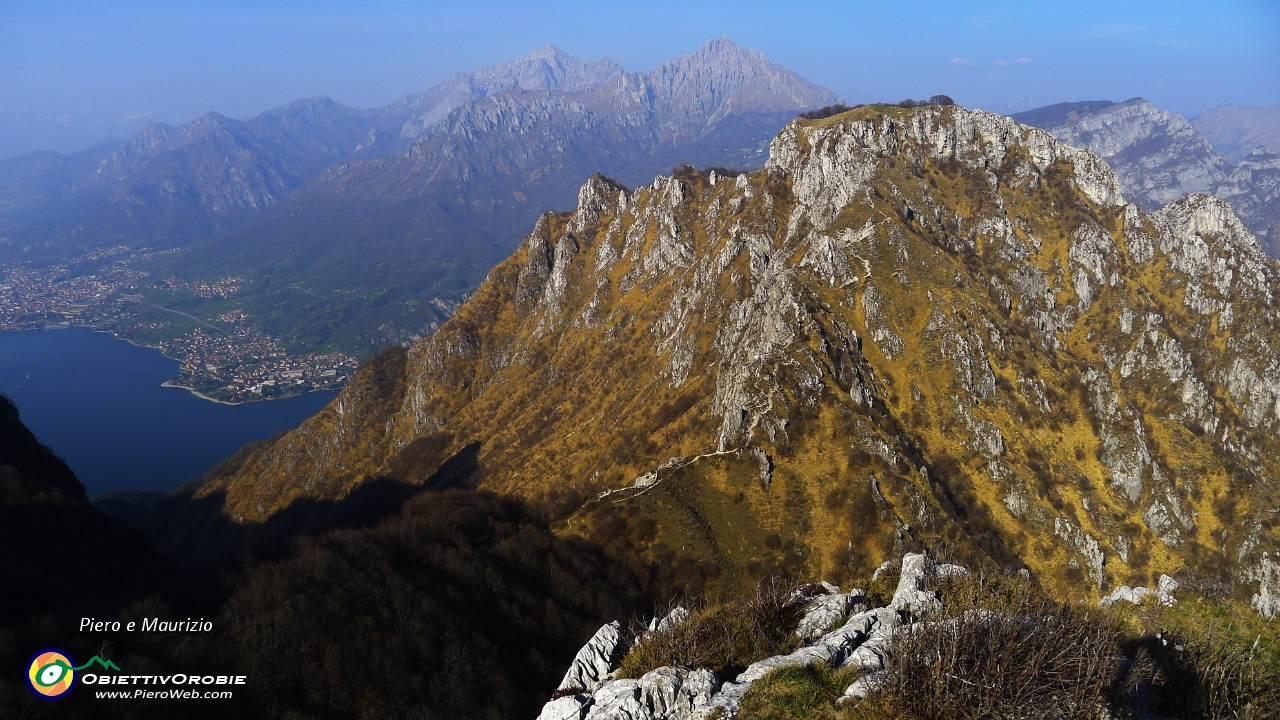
column 97, row 402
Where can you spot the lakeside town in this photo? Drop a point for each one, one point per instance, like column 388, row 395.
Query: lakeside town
column 224, row 358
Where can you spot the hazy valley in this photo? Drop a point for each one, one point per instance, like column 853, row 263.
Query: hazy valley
column 347, row 257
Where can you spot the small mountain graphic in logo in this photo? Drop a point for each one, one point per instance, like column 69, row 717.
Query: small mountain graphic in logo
column 51, row 673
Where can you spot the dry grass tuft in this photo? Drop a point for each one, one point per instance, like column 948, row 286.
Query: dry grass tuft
column 796, row 693
column 1028, row 657
column 723, row 636
column 1198, row 674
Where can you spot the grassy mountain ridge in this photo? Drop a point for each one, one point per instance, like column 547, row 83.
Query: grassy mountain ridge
column 913, row 326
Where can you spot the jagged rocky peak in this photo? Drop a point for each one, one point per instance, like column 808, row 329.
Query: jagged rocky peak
column 831, row 165
column 547, row 68
column 550, row 68
column 936, row 321
column 722, row 72
column 1160, row 157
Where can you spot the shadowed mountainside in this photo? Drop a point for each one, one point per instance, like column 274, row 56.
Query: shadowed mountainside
column 338, row 609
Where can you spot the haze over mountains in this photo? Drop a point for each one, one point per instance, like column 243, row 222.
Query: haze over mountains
column 376, row 242
column 365, row 251
column 347, row 229
column 1236, row 131
column 181, row 184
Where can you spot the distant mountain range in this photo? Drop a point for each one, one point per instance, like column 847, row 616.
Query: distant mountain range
column 355, row 227
column 168, row 187
column 172, row 186
column 366, row 247
column 347, row 229
column 1160, row 157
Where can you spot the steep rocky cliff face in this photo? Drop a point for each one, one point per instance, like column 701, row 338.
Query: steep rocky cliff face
column 547, row 68
column 1253, row 190
column 1159, row 157
column 912, row 327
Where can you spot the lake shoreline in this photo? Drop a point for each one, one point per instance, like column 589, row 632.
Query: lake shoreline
column 107, row 408
column 173, row 383
column 202, row 396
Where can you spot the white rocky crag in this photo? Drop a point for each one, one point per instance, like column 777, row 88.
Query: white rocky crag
column 593, row 662
column 1253, row 190
column 835, row 649
column 1159, row 157
column 909, row 597
column 1267, row 600
column 668, row 693
column 831, row 167
column 663, row 694
column 1163, row 592
column 825, row 610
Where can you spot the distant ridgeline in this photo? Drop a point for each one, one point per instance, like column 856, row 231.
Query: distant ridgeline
column 350, row 229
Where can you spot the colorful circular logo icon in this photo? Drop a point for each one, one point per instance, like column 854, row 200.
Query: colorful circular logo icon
column 51, row 673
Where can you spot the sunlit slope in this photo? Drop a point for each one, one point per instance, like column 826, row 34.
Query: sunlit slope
column 925, row 326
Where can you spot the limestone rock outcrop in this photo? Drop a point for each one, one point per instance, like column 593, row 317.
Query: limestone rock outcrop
column 1160, row 157
column 1163, row 593
column 862, row 642
column 591, row 666
column 823, row 612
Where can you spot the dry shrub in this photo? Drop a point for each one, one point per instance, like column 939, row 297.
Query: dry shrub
column 1031, row 657
column 724, row 636
column 1201, row 676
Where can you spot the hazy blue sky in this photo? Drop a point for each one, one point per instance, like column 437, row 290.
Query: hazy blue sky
column 71, row 72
